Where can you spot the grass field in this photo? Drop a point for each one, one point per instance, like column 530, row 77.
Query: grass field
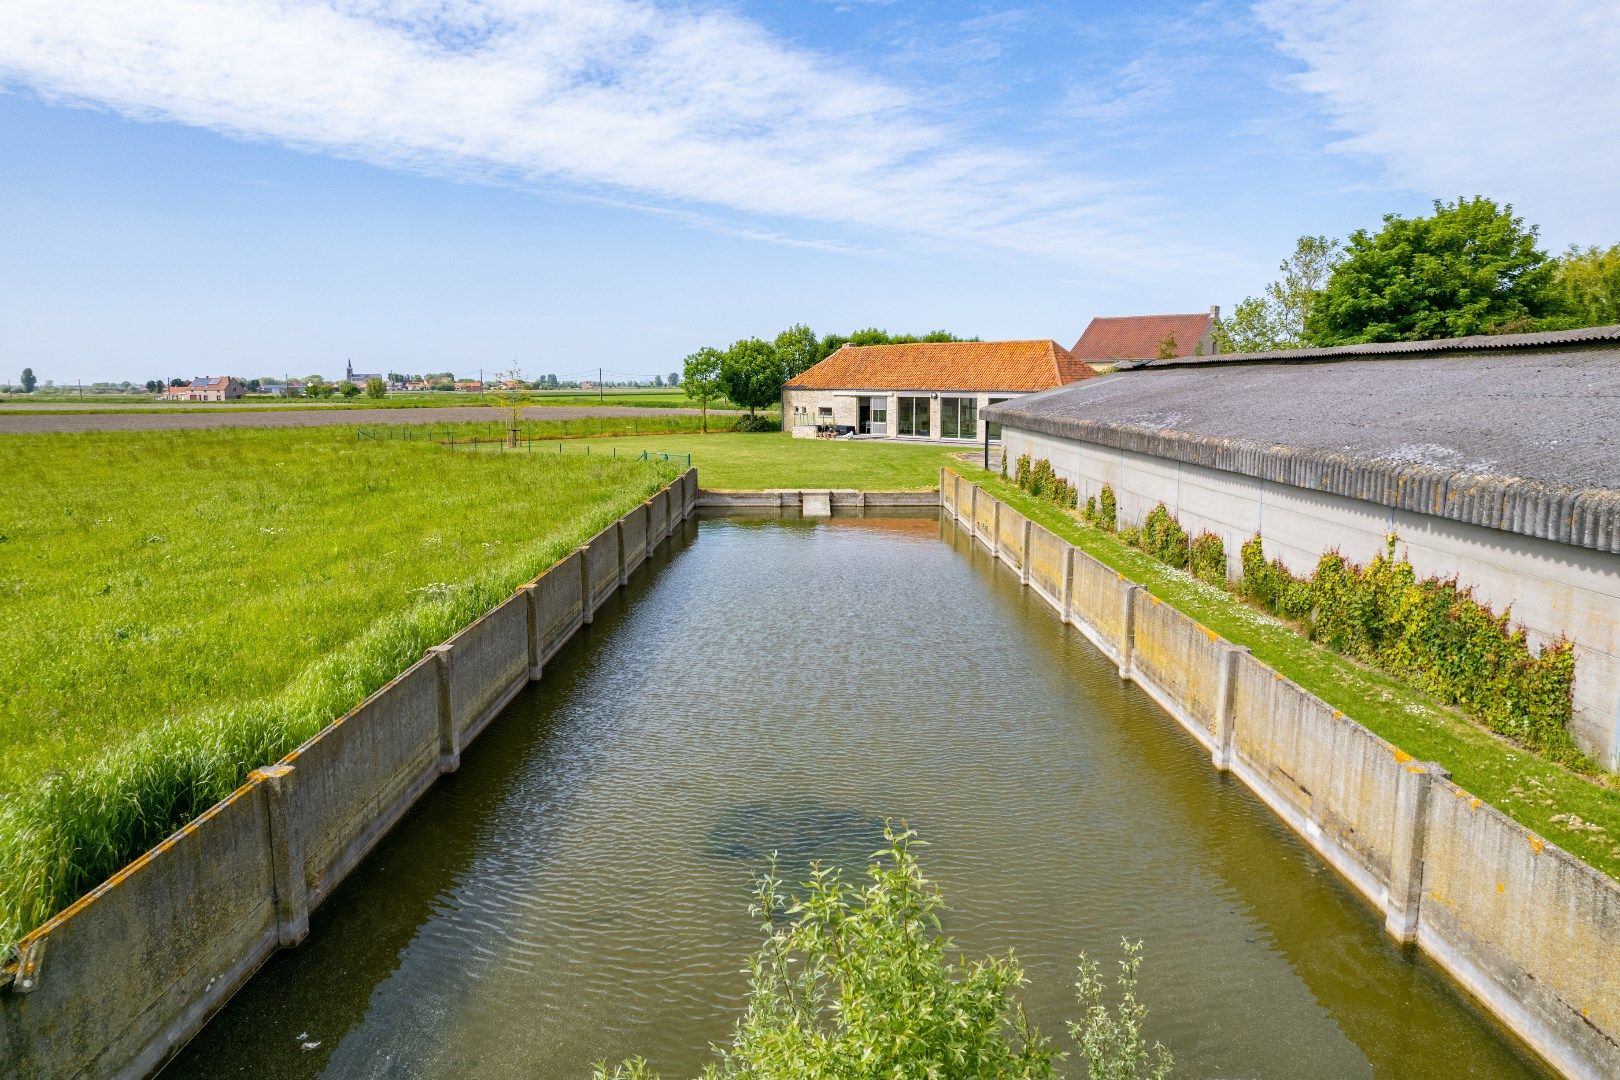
column 753, row 462
column 1534, row 791
column 178, row 608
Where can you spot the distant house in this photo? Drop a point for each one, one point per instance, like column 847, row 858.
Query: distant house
column 469, row 386
column 1110, row 339
column 204, row 388
column 924, row 390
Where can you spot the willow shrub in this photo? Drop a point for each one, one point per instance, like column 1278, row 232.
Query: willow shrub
column 861, row 982
column 1433, row 634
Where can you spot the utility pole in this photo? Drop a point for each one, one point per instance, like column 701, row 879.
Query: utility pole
column 599, row 392
column 480, row 384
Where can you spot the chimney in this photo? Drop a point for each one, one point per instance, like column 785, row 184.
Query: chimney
column 1215, row 313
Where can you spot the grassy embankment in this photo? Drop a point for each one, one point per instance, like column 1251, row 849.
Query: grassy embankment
column 1580, row 814
column 178, row 608
column 650, row 398
column 731, row 462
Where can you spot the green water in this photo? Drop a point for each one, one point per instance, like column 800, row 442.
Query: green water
column 578, row 890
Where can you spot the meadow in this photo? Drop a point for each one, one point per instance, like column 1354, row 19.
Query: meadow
column 179, row 608
column 752, row 462
column 622, row 397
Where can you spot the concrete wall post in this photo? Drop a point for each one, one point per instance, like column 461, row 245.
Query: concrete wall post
column 277, row 784
column 1413, row 786
column 1225, row 717
column 1023, row 557
column 624, row 572
column 1127, row 622
column 973, row 510
column 995, row 527
column 586, row 608
column 449, row 734
column 531, row 596
column 1065, row 593
column 947, row 503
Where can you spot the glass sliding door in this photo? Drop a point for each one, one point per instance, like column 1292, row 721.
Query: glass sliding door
column 959, row 418
column 913, row 416
column 992, row 429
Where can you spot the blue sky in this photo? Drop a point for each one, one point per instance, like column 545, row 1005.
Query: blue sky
column 261, row 187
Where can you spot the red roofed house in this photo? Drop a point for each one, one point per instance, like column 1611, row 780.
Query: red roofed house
column 1109, row 339
column 203, row 388
column 925, row 390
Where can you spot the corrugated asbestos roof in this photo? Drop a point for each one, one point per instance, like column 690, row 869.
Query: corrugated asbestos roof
column 1517, row 433
column 1018, row 366
column 1136, row 337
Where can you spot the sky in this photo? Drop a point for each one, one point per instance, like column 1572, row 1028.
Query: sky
column 271, row 187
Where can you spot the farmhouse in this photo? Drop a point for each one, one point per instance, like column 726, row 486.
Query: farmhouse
column 204, row 388
column 1495, row 460
column 924, row 390
column 1107, row 340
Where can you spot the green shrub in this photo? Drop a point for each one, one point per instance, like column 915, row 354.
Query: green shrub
column 1043, row 482
column 1163, row 537
column 1207, row 559
column 862, row 982
column 755, row 423
column 1433, row 634
column 1101, row 511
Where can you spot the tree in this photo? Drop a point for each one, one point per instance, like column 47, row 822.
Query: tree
column 861, row 981
column 798, row 348
column 154, row 386
column 348, row 389
column 1278, row 318
column 28, row 380
column 673, row 378
column 751, row 374
column 376, row 388
column 658, row 380
column 178, row 382
column 701, row 379
column 1169, row 348
column 253, row 386
column 1466, row 269
column 1586, row 287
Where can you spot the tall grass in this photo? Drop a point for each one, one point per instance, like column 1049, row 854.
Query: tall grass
column 177, row 609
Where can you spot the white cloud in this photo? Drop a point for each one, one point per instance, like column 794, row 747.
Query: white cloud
column 1516, row 99
column 681, row 107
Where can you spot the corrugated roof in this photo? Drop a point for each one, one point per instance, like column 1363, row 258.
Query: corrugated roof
column 1477, row 342
column 1516, row 433
column 1137, row 337
column 1017, row 366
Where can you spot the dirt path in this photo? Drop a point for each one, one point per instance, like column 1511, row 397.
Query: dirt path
column 12, row 422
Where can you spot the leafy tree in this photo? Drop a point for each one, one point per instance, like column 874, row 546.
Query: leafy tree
column 154, row 386
column 798, row 348
column 751, row 374
column 376, row 388
column 1466, row 269
column 701, row 378
column 1586, row 286
column 658, row 380
column 1277, row 319
column 855, row 982
column 28, row 380
column 178, row 382
column 252, row 386
column 348, row 389
column 318, row 389
column 1169, row 347
column 673, row 378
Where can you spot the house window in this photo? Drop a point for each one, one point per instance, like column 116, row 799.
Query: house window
column 959, row 418
column 913, row 416
column 992, row 430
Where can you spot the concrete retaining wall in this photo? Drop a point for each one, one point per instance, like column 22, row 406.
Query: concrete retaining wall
column 1554, row 589
column 119, row 981
column 795, row 499
column 1532, row 932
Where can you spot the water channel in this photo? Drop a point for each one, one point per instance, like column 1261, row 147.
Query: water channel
column 578, row 890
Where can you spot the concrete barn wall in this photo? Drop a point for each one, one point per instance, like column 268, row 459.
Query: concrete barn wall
column 1529, row 930
column 116, row 983
column 1553, row 589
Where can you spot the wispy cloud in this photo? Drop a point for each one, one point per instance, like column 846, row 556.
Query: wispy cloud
column 689, row 108
column 1511, row 98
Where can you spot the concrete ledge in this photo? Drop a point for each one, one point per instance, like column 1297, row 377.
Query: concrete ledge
column 116, row 983
column 1529, row 930
column 795, row 498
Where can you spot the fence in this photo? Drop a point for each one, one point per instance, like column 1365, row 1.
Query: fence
column 1528, row 929
column 116, row 983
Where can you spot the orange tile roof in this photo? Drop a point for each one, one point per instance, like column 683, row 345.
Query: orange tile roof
column 1137, row 337
column 1020, row 366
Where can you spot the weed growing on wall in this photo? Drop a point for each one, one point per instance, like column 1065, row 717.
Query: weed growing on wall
column 1434, row 634
column 1207, row 559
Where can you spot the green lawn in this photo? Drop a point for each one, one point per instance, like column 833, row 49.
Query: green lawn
column 1534, row 791
column 730, row 462
column 180, row 607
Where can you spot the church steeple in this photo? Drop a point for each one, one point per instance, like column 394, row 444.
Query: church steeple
column 348, row 370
